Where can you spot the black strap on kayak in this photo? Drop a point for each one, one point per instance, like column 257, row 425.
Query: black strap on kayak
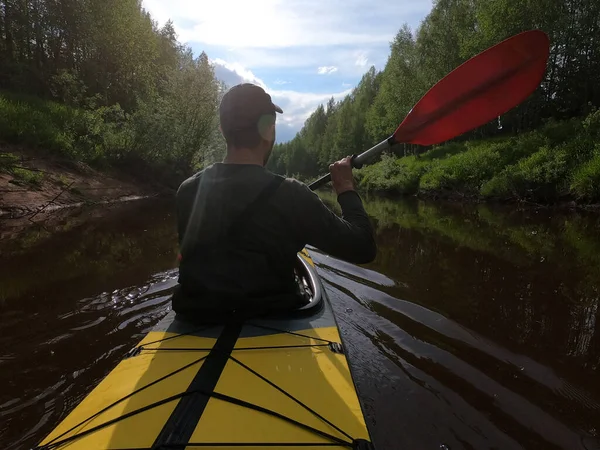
column 183, row 420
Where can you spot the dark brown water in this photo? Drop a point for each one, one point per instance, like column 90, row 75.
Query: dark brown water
column 475, row 328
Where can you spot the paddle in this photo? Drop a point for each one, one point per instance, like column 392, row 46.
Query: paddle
column 479, row 90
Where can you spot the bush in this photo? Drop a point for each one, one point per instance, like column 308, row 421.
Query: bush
column 539, row 177
column 464, row 172
column 525, row 145
column 27, row 177
column 585, row 182
column 93, row 136
column 443, row 151
column 393, row 175
column 559, row 132
column 561, row 159
column 591, row 124
column 7, row 161
column 25, row 123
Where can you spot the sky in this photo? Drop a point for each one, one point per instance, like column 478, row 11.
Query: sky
column 302, row 52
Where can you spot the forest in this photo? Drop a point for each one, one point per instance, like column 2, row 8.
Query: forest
column 99, row 81
column 543, row 150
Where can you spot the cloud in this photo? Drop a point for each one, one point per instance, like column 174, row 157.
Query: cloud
column 282, row 43
column 234, row 73
column 326, row 70
column 307, row 58
column 291, row 34
column 286, row 23
column 297, row 106
column 361, row 59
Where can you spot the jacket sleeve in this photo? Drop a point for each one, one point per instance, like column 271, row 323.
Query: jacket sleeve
column 349, row 237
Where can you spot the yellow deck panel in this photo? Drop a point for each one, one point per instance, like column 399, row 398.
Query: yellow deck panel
column 315, row 376
column 130, row 375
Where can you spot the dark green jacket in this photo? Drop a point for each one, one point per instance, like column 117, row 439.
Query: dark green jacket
column 258, row 261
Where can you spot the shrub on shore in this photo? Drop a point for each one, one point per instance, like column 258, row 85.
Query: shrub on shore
column 561, row 160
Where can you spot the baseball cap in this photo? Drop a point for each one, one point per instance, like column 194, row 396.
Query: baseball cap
column 243, row 106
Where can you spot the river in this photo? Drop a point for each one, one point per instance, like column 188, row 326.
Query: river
column 475, row 327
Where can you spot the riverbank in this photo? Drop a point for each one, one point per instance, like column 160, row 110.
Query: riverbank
column 34, row 183
column 556, row 164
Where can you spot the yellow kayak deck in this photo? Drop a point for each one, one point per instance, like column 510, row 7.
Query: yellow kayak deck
column 276, row 383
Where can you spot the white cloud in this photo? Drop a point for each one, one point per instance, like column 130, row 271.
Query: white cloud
column 291, row 41
column 285, row 23
column 297, row 106
column 361, row 59
column 344, row 58
column 326, row 70
column 234, row 73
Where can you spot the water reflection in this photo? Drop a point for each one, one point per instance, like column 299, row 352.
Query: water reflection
column 512, row 293
column 476, row 327
column 75, row 295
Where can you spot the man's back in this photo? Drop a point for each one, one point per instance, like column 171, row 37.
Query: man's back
column 258, row 256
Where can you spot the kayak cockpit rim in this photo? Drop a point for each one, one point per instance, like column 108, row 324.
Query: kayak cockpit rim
column 308, row 276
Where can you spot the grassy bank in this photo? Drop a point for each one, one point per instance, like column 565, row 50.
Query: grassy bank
column 558, row 162
column 95, row 136
column 154, row 143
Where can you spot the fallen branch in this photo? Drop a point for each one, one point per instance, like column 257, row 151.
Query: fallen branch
column 51, row 201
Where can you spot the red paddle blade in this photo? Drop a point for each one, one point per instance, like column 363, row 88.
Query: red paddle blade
column 478, row 91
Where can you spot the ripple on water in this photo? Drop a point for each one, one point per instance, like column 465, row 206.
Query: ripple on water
column 451, row 361
column 457, row 338
column 102, row 329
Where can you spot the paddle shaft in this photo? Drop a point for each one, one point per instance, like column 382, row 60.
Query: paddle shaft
column 357, row 161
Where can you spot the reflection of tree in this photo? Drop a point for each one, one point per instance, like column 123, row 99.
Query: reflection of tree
column 526, row 279
column 134, row 238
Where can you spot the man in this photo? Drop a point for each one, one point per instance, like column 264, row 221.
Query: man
column 241, row 226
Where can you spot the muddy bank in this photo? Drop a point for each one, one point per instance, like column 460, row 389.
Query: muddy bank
column 34, row 184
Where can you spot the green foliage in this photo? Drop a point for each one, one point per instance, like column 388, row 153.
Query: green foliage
column 393, row 175
column 454, row 31
column 34, row 122
column 27, row 177
column 543, row 166
column 591, row 124
column 174, row 128
column 464, row 172
column 7, row 161
column 443, row 151
column 537, row 177
column 585, row 184
column 87, row 135
column 98, row 81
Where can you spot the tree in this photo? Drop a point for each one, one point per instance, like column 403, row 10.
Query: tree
column 454, row 31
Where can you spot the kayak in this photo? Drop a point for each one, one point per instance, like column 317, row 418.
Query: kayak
column 281, row 381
